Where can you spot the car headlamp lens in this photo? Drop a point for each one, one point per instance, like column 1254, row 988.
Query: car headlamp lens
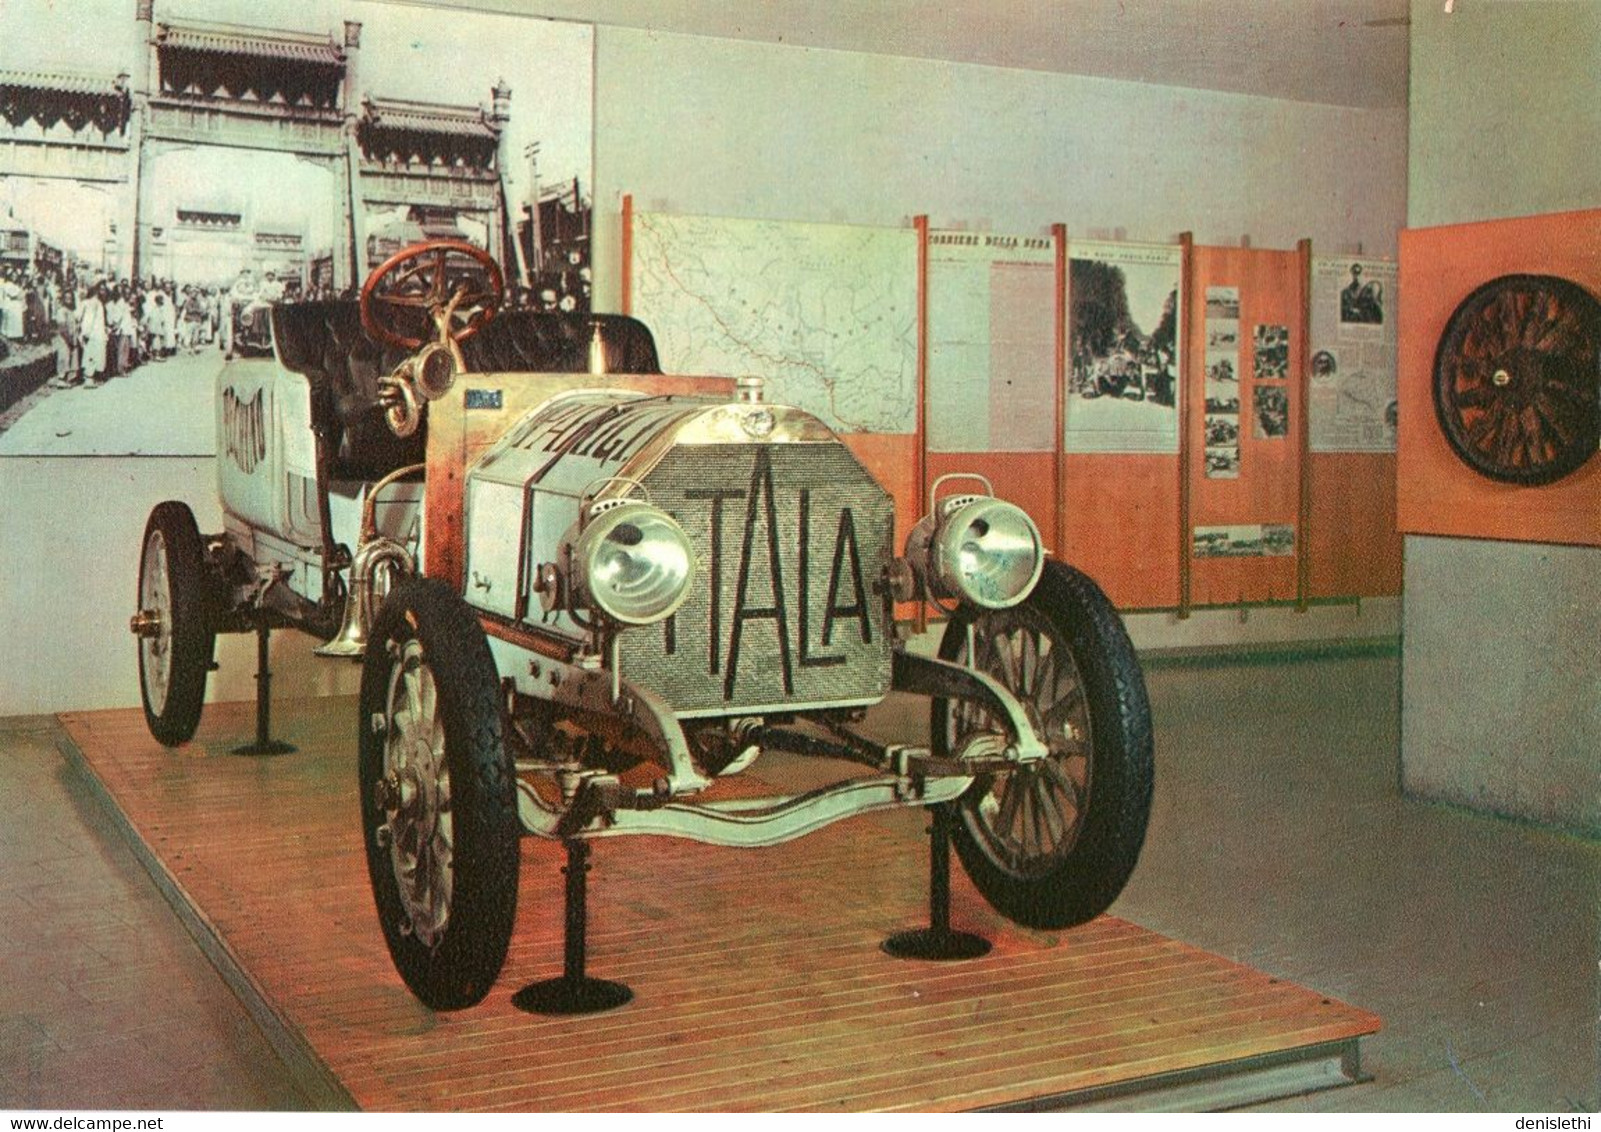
column 634, row 563
column 988, row 552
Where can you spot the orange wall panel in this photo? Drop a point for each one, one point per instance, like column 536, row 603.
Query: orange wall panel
column 1268, row 487
column 1437, row 494
column 892, row 460
column 1123, row 526
column 1023, row 478
column 1354, row 545
column 1122, row 515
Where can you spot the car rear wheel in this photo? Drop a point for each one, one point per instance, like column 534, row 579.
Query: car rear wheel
column 438, row 795
column 1051, row 844
column 176, row 640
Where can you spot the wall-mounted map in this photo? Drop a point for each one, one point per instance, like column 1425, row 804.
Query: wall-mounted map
column 826, row 314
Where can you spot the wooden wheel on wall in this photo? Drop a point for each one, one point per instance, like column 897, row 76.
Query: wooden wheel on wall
column 1517, row 379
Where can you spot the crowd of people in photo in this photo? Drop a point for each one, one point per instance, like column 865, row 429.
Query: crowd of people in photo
column 1133, row 370
column 103, row 327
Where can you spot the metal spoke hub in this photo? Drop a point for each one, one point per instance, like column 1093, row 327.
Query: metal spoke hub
column 153, row 622
column 1027, row 819
column 414, row 794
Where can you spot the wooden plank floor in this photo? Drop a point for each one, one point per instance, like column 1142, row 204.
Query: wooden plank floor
column 758, row 977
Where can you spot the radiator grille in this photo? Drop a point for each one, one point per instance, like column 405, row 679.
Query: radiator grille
column 789, row 607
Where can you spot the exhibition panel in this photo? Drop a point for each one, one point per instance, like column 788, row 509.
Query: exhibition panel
column 1499, row 346
column 1195, row 426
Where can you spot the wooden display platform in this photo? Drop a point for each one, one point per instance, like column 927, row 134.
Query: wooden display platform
column 758, row 979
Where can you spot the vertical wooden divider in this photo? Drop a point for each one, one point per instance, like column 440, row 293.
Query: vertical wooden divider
column 920, row 441
column 1302, row 360
column 1187, row 386
column 1059, row 438
column 627, row 242
column 920, row 450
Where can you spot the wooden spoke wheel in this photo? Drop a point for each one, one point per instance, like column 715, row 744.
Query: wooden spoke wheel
column 1517, row 379
column 1051, row 844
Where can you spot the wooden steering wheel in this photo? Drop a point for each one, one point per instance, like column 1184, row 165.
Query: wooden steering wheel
column 454, row 285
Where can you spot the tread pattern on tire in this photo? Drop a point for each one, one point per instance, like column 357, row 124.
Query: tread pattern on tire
column 460, row 970
column 193, row 640
column 1123, row 773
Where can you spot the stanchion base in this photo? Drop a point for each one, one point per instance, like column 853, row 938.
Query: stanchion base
column 931, row 943
column 572, row 996
column 266, row 747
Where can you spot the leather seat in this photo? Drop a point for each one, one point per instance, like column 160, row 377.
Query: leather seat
column 325, row 342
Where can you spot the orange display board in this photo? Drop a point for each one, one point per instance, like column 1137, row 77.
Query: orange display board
column 1023, row 478
column 1129, row 519
column 1351, row 542
column 1123, row 526
column 1266, row 487
column 892, row 459
column 1437, row 494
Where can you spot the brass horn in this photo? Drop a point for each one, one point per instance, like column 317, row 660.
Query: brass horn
column 374, row 552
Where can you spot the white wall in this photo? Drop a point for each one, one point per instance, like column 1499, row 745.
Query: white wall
column 70, row 531
column 1501, row 658
column 1504, row 110
column 740, row 129
column 732, row 128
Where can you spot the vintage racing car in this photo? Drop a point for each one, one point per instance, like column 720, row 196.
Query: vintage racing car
column 584, row 591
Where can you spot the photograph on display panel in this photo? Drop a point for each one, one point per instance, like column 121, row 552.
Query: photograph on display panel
column 1272, row 352
column 1222, row 383
column 1362, row 300
column 1248, row 540
column 1124, row 342
column 1352, row 405
column 166, row 180
column 1271, row 412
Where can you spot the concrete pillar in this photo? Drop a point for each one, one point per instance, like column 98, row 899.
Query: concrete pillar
column 143, row 75
column 501, row 231
column 1501, row 678
column 350, row 227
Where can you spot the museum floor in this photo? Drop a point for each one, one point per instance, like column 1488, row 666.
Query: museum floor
column 1278, row 840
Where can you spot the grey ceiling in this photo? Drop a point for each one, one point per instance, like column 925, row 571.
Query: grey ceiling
column 1343, row 52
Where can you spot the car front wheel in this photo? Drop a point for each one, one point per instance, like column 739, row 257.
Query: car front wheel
column 438, row 795
column 1051, row 844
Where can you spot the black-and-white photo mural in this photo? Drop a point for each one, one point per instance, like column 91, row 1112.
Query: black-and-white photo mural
column 171, row 168
column 1126, row 339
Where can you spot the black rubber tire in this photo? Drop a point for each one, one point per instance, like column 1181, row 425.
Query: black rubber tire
column 1083, row 872
column 424, row 624
column 173, row 712
column 1517, row 384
